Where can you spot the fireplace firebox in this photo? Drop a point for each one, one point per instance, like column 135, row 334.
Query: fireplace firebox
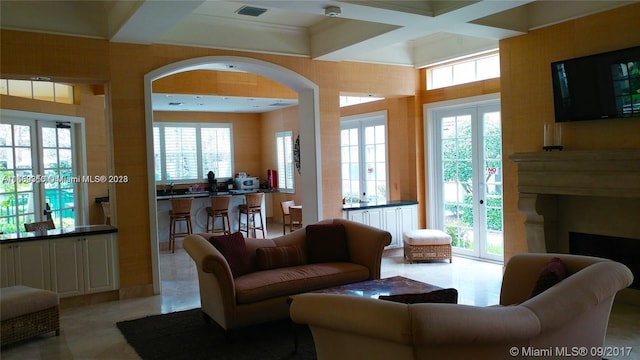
column 623, row 250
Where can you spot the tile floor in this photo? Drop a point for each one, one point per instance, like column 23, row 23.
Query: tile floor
column 89, row 332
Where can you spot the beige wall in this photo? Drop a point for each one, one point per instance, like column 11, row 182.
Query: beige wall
column 123, row 66
column 525, row 92
column 527, row 101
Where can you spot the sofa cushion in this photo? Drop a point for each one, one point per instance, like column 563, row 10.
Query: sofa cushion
column 268, row 284
column 279, row 256
column 552, row 273
column 448, row 296
column 326, row 243
column 234, row 250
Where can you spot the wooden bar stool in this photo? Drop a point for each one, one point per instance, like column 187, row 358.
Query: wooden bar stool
column 252, row 207
column 180, row 211
column 219, row 209
column 285, row 205
column 295, row 219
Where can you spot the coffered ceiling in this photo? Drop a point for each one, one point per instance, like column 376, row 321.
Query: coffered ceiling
column 405, row 32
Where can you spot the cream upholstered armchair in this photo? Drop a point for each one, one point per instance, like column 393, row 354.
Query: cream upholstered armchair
column 572, row 313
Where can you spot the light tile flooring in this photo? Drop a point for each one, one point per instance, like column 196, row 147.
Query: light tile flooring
column 89, row 332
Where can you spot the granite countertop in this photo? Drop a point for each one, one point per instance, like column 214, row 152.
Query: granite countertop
column 79, row 230
column 201, row 194
column 378, row 204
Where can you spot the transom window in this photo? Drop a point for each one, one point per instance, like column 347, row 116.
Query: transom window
column 464, row 71
column 186, row 152
column 39, row 90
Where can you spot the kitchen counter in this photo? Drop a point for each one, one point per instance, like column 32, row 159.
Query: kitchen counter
column 379, row 204
column 80, row 230
column 201, row 194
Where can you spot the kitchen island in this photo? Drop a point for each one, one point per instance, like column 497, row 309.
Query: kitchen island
column 395, row 216
column 199, row 212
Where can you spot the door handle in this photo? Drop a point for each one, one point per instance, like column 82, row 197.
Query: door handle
column 481, row 202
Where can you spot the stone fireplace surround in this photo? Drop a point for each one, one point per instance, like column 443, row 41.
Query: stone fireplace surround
column 591, row 191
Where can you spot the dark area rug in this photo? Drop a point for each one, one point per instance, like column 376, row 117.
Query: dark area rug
column 185, row 335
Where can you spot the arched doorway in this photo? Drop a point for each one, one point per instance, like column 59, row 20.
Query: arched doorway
column 309, row 129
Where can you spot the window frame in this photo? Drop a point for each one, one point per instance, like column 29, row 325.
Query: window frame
column 452, row 64
column 201, row 174
column 360, row 122
column 285, row 165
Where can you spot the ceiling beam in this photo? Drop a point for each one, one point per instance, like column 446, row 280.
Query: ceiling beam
column 151, row 19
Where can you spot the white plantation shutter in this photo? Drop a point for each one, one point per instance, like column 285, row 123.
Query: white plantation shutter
column 187, row 152
column 284, row 154
column 216, row 151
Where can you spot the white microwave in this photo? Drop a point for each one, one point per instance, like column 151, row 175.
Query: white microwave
column 247, row 183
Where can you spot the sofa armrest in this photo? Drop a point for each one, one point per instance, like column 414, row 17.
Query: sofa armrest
column 366, row 245
column 382, row 320
column 217, row 288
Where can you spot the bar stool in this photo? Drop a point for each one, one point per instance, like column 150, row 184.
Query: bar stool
column 106, row 211
column 180, row 211
column 219, row 209
column 252, row 207
column 285, row 205
column 295, row 217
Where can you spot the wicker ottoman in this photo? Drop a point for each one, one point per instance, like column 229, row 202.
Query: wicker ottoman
column 27, row 312
column 426, row 244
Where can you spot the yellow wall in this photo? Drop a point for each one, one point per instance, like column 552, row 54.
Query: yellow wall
column 525, row 95
column 527, row 100
column 123, row 66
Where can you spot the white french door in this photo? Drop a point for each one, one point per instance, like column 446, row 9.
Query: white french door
column 467, row 172
column 37, row 169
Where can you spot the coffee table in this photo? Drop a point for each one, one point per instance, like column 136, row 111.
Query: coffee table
column 394, row 285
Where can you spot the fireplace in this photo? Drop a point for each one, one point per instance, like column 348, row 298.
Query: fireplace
column 580, row 192
column 623, row 250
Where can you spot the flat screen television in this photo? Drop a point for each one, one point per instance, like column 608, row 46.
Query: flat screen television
column 600, row 86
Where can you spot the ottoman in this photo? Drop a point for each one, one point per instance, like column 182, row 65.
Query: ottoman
column 426, row 244
column 27, row 312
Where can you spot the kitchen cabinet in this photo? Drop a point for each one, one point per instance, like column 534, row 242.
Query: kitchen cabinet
column 26, row 263
column 371, row 217
column 83, row 265
column 399, row 219
column 69, row 262
column 394, row 217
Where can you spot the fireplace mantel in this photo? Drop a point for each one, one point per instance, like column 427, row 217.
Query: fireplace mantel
column 544, row 176
column 613, row 173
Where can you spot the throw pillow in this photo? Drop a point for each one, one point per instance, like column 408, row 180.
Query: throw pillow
column 279, row 256
column 326, row 243
column 448, row 296
column 234, row 250
column 552, row 273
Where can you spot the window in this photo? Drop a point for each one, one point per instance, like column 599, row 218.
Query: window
column 464, row 71
column 187, row 152
column 284, row 155
column 38, row 174
column 364, row 158
column 355, row 100
column 39, row 90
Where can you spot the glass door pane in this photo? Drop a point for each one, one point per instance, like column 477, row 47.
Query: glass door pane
column 492, row 139
column 17, row 200
column 457, row 170
column 58, row 168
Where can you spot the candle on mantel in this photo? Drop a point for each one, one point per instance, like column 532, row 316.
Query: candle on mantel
column 557, row 139
column 547, row 135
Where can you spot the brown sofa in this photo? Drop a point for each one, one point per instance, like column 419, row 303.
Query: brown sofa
column 261, row 296
column 570, row 316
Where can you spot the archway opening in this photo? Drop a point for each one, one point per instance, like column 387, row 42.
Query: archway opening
column 309, row 130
